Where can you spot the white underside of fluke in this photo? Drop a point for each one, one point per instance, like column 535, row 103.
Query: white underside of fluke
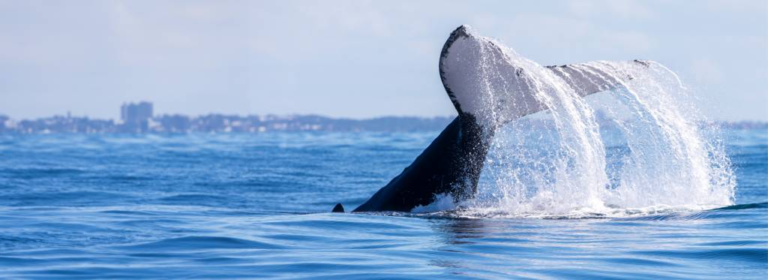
column 491, row 82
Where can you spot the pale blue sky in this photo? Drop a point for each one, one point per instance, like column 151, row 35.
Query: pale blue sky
column 350, row 58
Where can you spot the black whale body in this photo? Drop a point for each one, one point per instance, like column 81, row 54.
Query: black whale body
column 451, row 164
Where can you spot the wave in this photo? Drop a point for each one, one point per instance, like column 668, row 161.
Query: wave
column 690, row 212
column 198, row 243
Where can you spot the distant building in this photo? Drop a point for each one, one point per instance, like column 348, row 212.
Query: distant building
column 135, row 117
column 134, row 113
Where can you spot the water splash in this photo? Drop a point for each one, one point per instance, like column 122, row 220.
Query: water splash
column 639, row 148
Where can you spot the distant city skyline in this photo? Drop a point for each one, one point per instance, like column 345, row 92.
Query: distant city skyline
column 139, row 118
column 230, row 123
column 357, row 59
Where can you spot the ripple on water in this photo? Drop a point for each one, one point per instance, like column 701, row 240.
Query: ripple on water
column 200, row 243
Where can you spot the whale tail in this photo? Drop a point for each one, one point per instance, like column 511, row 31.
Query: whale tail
column 488, row 86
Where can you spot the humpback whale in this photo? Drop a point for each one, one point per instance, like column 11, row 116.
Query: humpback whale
column 489, row 86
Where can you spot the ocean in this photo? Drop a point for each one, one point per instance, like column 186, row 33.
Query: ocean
column 258, row 206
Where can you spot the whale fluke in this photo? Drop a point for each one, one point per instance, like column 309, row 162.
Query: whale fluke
column 488, row 85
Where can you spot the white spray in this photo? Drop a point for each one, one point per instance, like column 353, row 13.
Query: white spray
column 644, row 152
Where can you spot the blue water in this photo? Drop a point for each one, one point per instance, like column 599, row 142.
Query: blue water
column 256, row 206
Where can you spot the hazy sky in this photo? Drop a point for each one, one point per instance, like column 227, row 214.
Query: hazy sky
column 350, row 58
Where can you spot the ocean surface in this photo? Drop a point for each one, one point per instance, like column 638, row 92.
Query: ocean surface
column 258, row 206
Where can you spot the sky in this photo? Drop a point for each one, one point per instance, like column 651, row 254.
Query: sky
column 354, row 59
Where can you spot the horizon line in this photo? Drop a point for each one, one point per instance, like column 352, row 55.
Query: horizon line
column 68, row 115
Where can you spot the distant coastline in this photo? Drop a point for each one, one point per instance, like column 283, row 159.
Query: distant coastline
column 221, row 123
